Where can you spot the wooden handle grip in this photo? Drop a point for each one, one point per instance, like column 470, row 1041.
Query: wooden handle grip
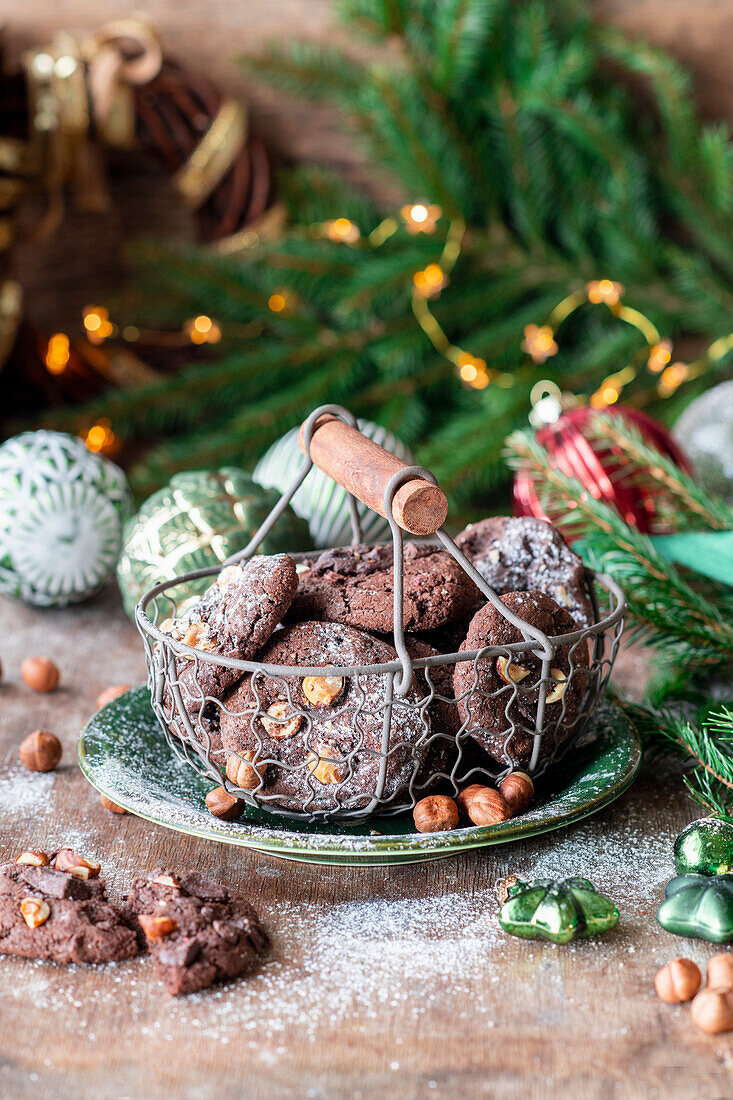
column 364, row 468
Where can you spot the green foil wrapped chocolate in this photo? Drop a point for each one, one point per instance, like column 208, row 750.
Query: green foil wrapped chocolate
column 705, row 847
column 558, row 910
column 699, row 906
column 200, row 518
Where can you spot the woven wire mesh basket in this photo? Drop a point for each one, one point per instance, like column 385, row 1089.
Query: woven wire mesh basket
column 393, row 731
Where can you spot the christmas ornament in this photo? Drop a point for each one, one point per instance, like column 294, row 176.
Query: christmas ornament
column 705, row 430
column 61, row 514
column 705, row 847
column 556, row 910
column 699, row 906
column 319, row 500
column 597, row 465
column 200, row 518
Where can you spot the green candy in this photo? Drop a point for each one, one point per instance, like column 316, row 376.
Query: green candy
column 699, row 906
column 705, row 847
column 556, row 910
column 199, row 519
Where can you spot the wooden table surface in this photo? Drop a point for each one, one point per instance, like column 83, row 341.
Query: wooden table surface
column 389, row 983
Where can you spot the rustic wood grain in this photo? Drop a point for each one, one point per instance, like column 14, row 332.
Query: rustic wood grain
column 448, row 1005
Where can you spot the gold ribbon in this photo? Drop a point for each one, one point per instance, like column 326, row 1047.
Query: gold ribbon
column 213, row 156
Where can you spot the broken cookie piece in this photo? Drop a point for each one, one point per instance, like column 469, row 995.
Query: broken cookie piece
column 197, row 931
column 49, row 910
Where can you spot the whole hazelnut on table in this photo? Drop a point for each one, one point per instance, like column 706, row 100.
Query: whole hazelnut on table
column 435, row 813
column 678, row 981
column 111, row 806
column 720, row 971
column 517, row 790
column 40, row 674
column 110, row 693
column 712, row 1010
column 223, row 805
column 488, row 807
column 41, row 751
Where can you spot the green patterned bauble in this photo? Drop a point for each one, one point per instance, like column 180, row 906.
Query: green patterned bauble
column 62, row 510
column 699, row 906
column 319, row 500
column 558, row 910
column 199, row 519
column 705, row 847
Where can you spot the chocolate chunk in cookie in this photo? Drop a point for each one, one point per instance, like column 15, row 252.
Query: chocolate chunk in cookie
column 314, row 743
column 197, row 930
column 55, row 907
column 233, row 618
column 355, row 585
column 502, row 706
column 524, row 554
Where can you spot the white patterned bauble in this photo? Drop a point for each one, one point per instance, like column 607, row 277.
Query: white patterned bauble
column 705, row 433
column 61, row 514
column 319, row 500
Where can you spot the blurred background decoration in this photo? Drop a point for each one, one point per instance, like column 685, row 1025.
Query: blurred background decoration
column 557, row 220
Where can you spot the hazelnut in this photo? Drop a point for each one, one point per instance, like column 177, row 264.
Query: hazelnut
column 111, row 806
column 488, row 807
column 322, row 766
column 517, row 790
column 280, row 728
column 155, row 928
column 111, row 693
column 504, row 886
column 557, row 692
column 34, row 911
column 464, row 798
column 243, row 774
column 198, row 637
column 678, row 981
column 720, row 971
column 509, row 672
column 435, row 813
column 41, row 751
column 221, row 804
column 40, row 674
column 322, row 690
column 712, row 1010
column 168, row 880
column 34, row 858
column 75, row 865
column 227, row 575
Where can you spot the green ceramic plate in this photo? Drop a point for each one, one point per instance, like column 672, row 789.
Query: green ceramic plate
column 124, row 754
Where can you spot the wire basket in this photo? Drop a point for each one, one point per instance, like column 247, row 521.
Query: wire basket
column 395, row 731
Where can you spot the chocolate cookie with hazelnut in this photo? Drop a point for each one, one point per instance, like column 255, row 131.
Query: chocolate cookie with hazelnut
column 197, row 930
column 520, row 554
column 498, row 696
column 53, row 906
column 233, row 618
column 314, row 743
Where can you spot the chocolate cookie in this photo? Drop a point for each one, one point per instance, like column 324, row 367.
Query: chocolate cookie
column 502, row 709
column 355, row 585
column 197, row 931
column 316, row 742
column 234, row 618
column 49, row 910
column 524, row 554
column 445, row 721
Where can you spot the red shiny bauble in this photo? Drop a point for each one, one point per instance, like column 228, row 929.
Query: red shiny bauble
column 600, row 468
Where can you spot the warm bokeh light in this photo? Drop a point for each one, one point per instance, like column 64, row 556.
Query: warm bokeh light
column 659, row 355
column 202, row 330
column 97, row 324
column 277, row 302
column 539, row 342
column 674, row 375
column 472, row 371
column 342, row 231
column 100, row 436
column 421, row 218
column 57, row 353
column 430, row 281
column 604, row 290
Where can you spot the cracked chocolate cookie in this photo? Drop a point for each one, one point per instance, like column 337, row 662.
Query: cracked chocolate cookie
column 53, row 906
column 233, row 618
column 524, row 554
column 355, row 585
column 501, row 711
column 198, row 932
column 315, row 743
